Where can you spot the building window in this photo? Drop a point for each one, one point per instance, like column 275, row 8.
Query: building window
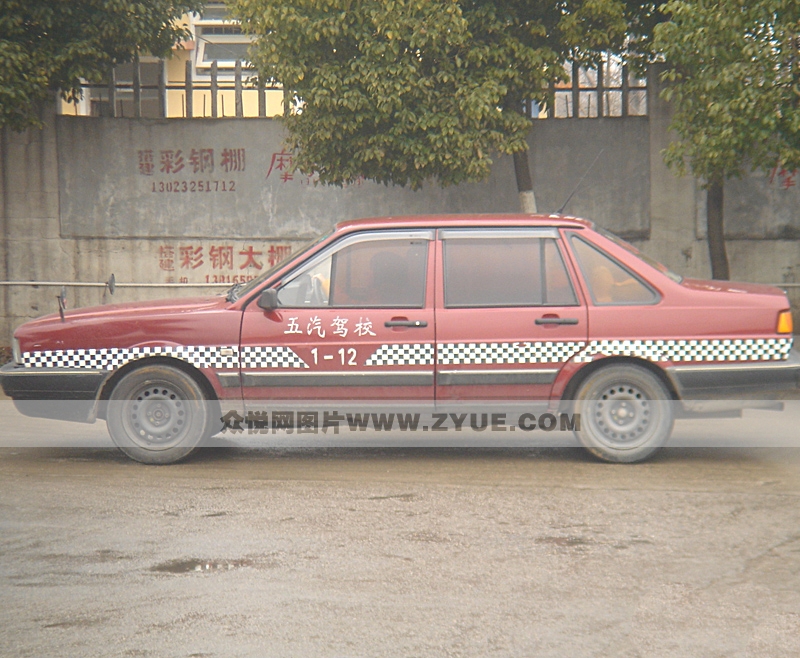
column 218, row 38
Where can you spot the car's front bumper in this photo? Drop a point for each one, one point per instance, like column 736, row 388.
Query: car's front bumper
column 63, row 393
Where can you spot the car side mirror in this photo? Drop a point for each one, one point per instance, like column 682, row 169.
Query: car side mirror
column 268, row 300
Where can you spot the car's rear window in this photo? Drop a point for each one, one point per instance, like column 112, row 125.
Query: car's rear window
column 609, row 282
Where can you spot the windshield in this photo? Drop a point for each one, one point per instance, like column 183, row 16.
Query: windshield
column 240, row 290
column 677, row 278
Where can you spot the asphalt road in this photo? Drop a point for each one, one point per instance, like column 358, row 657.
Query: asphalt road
column 336, row 552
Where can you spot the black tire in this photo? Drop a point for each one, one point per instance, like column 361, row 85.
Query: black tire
column 157, row 414
column 625, row 413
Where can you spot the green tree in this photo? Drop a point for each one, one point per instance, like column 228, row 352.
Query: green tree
column 50, row 45
column 733, row 75
column 404, row 91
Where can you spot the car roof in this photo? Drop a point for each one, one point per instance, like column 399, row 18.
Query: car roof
column 466, row 220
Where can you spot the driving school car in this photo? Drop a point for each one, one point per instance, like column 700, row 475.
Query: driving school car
column 431, row 310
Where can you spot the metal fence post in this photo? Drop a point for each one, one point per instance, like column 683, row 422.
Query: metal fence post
column 112, row 92
column 214, row 89
column 262, row 97
column 624, row 111
column 576, row 90
column 189, row 90
column 600, row 88
column 137, row 86
column 162, row 89
column 237, row 82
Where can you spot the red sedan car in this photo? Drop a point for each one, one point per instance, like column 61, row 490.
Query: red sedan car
column 426, row 309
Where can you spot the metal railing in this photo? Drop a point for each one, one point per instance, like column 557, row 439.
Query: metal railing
column 606, row 90
column 104, row 284
column 244, row 79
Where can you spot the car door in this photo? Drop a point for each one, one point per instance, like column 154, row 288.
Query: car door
column 508, row 315
column 354, row 322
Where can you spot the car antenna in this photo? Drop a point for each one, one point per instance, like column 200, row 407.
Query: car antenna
column 561, row 209
column 62, row 302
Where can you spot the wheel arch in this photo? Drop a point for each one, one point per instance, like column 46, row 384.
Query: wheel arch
column 187, row 368
column 581, row 375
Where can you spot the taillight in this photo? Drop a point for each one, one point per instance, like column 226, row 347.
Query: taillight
column 785, row 322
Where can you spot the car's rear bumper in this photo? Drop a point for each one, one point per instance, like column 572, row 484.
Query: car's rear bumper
column 741, row 381
column 63, row 393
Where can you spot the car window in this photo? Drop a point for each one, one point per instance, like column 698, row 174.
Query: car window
column 376, row 273
column 485, row 271
column 609, row 282
column 558, row 290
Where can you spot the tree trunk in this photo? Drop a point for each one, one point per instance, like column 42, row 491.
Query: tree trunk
column 527, row 200
column 715, row 230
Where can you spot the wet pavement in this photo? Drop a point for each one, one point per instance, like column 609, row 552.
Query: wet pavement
column 400, row 552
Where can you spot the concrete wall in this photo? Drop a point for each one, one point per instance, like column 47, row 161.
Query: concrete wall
column 79, row 202
column 180, row 178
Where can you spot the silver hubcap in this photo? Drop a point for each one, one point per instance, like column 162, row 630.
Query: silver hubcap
column 158, row 415
column 622, row 414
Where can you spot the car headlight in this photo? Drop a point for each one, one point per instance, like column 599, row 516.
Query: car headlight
column 16, row 354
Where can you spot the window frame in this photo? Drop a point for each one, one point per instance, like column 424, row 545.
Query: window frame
column 216, row 15
column 586, row 280
column 540, row 234
column 351, row 239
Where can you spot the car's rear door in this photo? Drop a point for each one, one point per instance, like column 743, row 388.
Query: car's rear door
column 508, row 315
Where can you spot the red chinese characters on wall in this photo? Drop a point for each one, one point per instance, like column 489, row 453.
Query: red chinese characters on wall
column 250, row 255
column 219, row 263
column 146, row 164
column 221, row 257
column 282, row 163
column 276, row 254
column 166, row 258
column 191, row 257
column 233, row 160
column 202, row 161
column 187, row 170
column 784, row 178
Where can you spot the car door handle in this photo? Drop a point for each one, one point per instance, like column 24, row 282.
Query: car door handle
column 556, row 320
column 405, row 323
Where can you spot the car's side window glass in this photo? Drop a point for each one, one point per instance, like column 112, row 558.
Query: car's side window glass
column 558, row 290
column 379, row 273
column 609, row 283
column 487, row 271
column 311, row 288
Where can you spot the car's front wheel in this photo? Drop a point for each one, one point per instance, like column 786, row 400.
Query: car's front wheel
column 157, row 414
column 625, row 413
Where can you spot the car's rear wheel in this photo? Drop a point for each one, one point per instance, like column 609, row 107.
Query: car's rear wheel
column 625, row 413
column 157, row 414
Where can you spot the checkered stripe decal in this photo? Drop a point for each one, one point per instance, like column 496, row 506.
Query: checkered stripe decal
column 402, row 354
column 218, row 357
column 270, row 357
column 229, row 356
column 736, row 349
column 521, row 352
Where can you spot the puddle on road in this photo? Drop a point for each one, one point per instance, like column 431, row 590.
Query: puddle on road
column 404, row 497
column 195, row 565
column 564, row 541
